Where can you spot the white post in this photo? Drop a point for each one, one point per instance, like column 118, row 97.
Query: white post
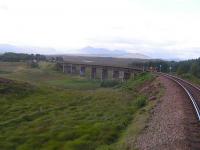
column 160, row 68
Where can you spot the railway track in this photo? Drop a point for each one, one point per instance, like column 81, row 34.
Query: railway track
column 192, row 91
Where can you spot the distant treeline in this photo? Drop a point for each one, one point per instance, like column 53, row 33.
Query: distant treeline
column 17, row 57
column 189, row 66
column 182, row 67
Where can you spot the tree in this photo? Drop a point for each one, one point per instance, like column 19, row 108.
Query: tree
column 195, row 69
column 183, row 68
column 16, row 57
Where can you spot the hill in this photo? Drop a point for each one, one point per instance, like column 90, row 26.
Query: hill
column 103, row 52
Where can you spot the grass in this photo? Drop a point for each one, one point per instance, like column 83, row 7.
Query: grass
column 46, row 109
column 110, row 83
column 45, row 75
column 139, row 120
column 131, row 85
column 191, row 78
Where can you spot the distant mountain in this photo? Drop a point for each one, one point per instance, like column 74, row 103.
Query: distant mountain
column 103, row 52
column 25, row 49
column 9, row 48
column 87, row 51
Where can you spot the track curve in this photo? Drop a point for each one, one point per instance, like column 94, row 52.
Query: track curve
column 192, row 91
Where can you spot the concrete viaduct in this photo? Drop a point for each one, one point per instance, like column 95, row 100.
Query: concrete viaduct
column 101, row 72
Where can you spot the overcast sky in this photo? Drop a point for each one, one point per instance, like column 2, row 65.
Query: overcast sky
column 158, row 28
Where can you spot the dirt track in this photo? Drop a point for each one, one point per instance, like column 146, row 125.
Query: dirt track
column 172, row 124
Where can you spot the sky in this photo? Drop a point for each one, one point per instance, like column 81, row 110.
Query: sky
column 157, row 28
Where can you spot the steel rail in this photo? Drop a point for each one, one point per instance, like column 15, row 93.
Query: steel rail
column 194, row 103
column 198, row 88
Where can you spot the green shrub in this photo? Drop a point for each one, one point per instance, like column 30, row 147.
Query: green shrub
column 109, row 83
column 140, row 102
column 14, row 87
column 133, row 84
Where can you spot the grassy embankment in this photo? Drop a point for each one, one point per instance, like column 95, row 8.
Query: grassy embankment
column 191, row 78
column 54, row 111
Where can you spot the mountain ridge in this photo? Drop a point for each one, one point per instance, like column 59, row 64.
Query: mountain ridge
column 86, row 51
column 103, row 52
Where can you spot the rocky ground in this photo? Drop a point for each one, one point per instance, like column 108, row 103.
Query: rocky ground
column 169, row 126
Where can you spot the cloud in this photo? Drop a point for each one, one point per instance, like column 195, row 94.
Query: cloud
column 163, row 49
column 3, row 7
column 150, row 27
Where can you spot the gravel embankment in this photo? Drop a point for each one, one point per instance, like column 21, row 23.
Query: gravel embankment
column 168, row 127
